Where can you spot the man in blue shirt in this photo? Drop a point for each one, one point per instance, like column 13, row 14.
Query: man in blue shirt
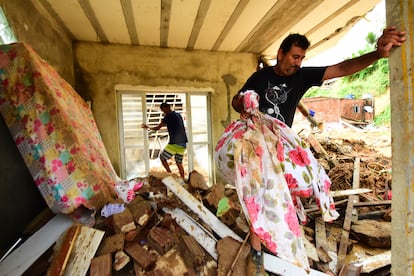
column 178, row 137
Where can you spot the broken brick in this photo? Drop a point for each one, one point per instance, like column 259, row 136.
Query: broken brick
column 145, row 259
column 141, row 210
column 112, row 244
column 120, row 260
column 123, row 222
column 101, row 266
column 191, row 251
column 161, row 239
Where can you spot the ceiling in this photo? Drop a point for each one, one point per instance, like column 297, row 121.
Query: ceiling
column 253, row 26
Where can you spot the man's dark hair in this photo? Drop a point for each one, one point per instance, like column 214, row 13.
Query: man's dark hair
column 294, row 39
column 165, row 104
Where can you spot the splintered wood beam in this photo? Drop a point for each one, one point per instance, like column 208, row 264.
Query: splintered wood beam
column 343, row 246
column 61, row 257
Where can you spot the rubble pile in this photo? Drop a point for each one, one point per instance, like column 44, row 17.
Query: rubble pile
column 158, row 233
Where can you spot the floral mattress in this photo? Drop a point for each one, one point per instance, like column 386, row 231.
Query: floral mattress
column 55, row 132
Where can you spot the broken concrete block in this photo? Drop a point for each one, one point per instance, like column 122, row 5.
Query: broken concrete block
column 216, row 193
column 112, row 244
column 120, row 260
column 227, row 211
column 373, row 233
column 123, row 222
column 101, row 266
column 197, row 181
column 191, row 251
column 161, row 239
column 141, row 210
column 145, row 259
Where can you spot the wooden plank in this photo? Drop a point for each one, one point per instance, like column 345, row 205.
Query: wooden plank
column 370, row 264
column 202, row 236
column 61, row 257
column 197, row 207
column 350, row 192
column 24, row 256
column 343, row 246
column 326, row 252
column 83, row 251
column 355, row 185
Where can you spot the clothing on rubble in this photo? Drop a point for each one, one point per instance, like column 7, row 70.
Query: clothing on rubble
column 272, row 168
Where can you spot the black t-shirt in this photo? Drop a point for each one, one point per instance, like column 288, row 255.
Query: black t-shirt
column 279, row 96
column 176, row 129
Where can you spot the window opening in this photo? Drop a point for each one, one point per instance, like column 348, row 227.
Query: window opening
column 140, row 149
column 6, row 33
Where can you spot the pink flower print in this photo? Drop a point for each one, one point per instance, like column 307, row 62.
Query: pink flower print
column 326, row 186
column 65, row 198
column 243, row 171
column 252, row 208
column 37, row 124
column 238, row 134
column 299, row 157
column 130, row 195
column 80, row 200
column 71, row 167
column 74, row 150
column 50, row 128
column 291, row 181
column 220, row 143
column 280, row 151
column 267, row 238
column 292, row 220
column 19, row 140
column 39, row 181
column 306, row 193
column 54, row 111
column 42, row 159
column 259, row 151
column 56, row 165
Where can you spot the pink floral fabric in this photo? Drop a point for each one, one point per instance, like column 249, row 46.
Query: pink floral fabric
column 55, row 132
column 272, row 168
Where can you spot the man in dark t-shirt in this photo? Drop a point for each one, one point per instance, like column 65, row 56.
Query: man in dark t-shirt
column 281, row 87
column 178, row 138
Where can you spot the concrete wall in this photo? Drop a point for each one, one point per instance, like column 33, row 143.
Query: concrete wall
column 102, row 67
column 20, row 200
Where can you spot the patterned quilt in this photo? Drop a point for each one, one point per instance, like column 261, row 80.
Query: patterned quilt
column 55, row 132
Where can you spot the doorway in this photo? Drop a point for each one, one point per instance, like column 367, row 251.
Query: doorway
column 140, row 149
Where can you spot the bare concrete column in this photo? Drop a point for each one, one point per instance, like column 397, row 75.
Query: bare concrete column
column 400, row 13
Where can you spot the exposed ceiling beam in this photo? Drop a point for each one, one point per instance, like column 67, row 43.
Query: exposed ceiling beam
column 201, row 15
column 278, row 21
column 165, row 22
column 90, row 14
column 235, row 15
column 130, row 21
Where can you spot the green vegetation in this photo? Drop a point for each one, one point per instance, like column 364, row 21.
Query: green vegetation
column 372, row 80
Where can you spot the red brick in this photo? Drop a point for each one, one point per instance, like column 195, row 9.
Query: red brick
column 145, row 259
column 161, row 239
column 123, row 222
column 120, row 260
column 101, row 266
column 141, row 210
column 112, row 244
column 191, row 251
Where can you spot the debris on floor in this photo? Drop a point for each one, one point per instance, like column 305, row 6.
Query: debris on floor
column 194, row 229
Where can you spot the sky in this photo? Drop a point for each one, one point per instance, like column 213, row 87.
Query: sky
column 354, row 40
